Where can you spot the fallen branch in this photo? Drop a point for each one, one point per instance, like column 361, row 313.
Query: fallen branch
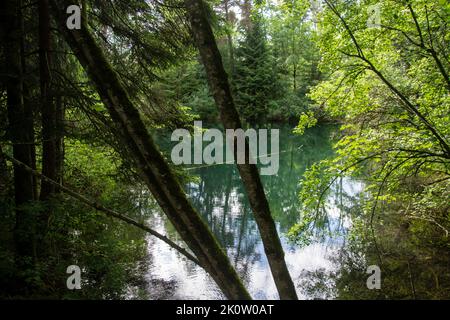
column 103, row 209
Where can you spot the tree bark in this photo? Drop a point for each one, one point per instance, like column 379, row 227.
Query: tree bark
column 4, row 179
column 48, row 109
column 148, row 160
column 229, row 38
column 28, row 104
column 20, row 131
column 220, row 88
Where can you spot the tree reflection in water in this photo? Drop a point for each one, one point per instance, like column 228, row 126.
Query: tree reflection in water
column 218, row 194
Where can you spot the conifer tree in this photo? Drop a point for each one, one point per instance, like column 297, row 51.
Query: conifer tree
column 256, row 82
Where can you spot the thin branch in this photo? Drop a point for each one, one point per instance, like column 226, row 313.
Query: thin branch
column 408, row 104
column 105, row 210
column 431, row 48
column 416, row 23
column 432, row 221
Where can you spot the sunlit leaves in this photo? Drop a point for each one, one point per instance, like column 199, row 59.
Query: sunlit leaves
column 307, row 120
column 384, row 139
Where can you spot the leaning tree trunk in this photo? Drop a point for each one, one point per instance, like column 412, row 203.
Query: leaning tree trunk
column 148, row 160
column 20, row 131
column 219, row 85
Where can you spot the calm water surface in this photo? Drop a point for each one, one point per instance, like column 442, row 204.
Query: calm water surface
column 219, row 196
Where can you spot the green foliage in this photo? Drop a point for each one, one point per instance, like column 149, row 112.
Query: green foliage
column 388, row 86
column 256, row 83
column 271, row 62
column 187, row 84
column 293, row 33
column 306, row 120
column 106, row 250
column 414, row 261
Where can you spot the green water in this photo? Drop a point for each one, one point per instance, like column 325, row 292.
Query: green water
column 218, row 194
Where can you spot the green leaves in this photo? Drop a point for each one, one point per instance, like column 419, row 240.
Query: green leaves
column 307, row 120
column 387, row 88
column 256, row 80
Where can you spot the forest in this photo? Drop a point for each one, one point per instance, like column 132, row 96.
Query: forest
column 354, row 97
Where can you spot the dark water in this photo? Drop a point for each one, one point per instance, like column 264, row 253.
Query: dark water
column 219, row 196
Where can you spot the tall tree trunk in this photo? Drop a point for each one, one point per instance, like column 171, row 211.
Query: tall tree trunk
column 294, row 77
column 148, row 159
column 294, row 54
column 60, row 108
column 229, row 38
column 4, row 180
column 28, row 105
column 20, row 132
column 220, row 88
column 59, row 138
column 48, row 110
column 246, row 12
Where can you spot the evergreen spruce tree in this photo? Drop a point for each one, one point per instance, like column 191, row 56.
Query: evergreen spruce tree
column 256, row 81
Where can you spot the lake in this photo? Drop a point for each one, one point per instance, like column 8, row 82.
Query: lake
column 217, row 192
